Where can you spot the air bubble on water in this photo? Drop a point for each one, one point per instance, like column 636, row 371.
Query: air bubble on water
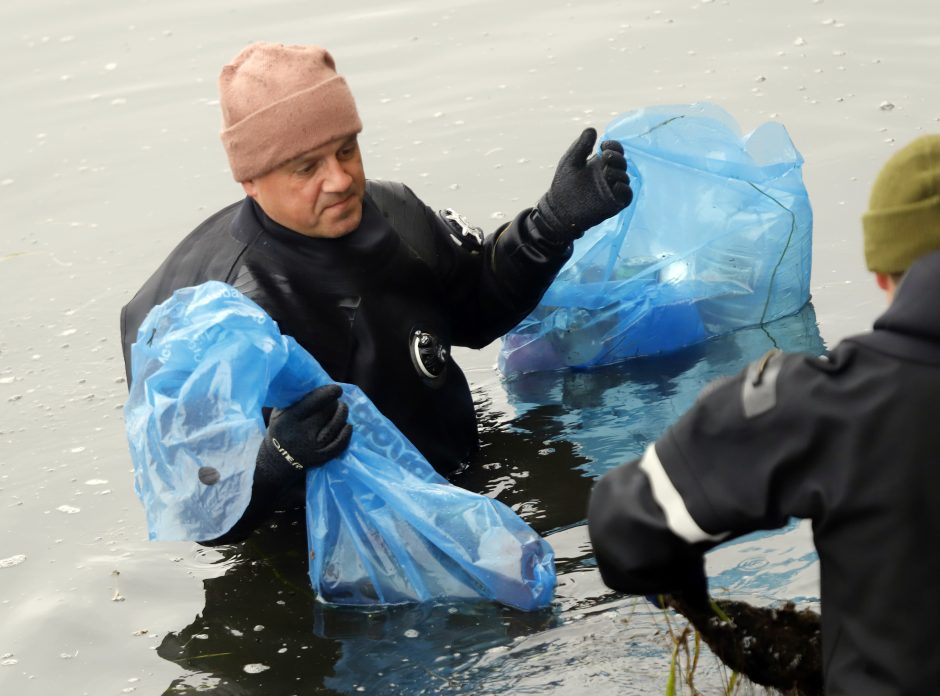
column 201, row 636
column 7, row 380
column 8, row 661
column 259, row 627
column 497, row 215
column 76, row 450
column 12, row 560
column 255, row 668
column 799, row 41
column 68, row 509
column 96, row 482
column 110, row 66
column 411, row 633
column 886, row 106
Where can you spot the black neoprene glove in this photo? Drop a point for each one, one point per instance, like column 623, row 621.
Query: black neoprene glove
column 585, row 190
column 309, row 433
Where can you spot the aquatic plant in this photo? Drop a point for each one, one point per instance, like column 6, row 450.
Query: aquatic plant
column 779, row 647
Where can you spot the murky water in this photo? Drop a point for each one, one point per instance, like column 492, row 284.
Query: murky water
column 110, row 155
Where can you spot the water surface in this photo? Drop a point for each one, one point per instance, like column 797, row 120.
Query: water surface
column 111, row 155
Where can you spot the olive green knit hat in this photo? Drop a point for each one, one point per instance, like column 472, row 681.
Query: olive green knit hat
column 903, row 218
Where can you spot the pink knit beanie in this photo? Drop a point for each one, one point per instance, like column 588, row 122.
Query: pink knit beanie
column 279, row 102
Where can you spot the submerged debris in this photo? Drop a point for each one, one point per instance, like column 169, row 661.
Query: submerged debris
column 780, row 648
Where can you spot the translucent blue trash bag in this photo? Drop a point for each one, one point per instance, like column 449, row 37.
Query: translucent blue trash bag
column 382, row 525
column 718, row 238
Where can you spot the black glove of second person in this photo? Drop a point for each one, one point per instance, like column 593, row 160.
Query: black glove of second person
column 585, row 190
column 309, row 433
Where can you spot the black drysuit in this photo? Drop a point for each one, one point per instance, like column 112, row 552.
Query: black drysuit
column 850, row 441
column 360, row 304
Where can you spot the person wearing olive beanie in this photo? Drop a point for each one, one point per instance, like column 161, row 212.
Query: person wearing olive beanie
column 370, row 280
column 847, row 440
column 903, row 218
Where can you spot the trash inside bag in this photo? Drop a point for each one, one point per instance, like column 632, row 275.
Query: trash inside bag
column 382, row 525
column 718, row 238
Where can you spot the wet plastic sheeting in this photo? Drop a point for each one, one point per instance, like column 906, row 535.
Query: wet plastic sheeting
column 718, row 238
column 383, row 526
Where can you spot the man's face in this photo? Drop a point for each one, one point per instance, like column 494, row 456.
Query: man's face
column 318, row 194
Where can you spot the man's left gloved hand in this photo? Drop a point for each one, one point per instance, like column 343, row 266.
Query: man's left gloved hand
column 308, row 433
column 585, row 190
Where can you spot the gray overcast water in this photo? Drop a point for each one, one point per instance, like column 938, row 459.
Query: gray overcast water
column 110, row 149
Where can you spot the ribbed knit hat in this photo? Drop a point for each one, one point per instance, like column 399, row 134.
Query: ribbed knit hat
column 903, row 218
column 279, row 102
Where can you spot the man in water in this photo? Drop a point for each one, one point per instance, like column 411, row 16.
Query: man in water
column 376, row 285
column 849, row 440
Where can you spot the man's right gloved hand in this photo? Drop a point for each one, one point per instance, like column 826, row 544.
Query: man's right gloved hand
column 309, row 433
column 585, row 190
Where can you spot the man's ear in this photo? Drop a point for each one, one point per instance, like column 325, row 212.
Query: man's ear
column 886, row 283
column 249, row 187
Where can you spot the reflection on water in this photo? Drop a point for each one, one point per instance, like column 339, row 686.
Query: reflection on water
column 612, row 413
column 262, row 632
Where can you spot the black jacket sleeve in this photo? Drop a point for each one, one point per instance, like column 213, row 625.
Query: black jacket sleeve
column 272, row 482
column 636, row 551
column 489, row 286
column 742, row 459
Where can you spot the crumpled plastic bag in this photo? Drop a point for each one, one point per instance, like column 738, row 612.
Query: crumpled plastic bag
column 383, row 526
column 718, row 237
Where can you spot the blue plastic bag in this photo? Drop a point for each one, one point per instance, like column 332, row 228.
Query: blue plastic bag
column 718, row 238
column 382, row 525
